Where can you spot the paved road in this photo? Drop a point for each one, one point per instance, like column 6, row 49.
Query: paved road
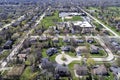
column 7, row 25
column 100, row 23
column 6, row 68
column 69, row 59
column 15, row 50
column 109, row 58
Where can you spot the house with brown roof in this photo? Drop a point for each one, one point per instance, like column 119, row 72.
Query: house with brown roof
column 15, row 72
column 100, row 70
column 81, row 49
column 22, row 57
column 80, row 70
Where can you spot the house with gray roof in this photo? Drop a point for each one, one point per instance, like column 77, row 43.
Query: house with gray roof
column 116, row 71
column 51, row 51
column 94, row 49
column 62, row 71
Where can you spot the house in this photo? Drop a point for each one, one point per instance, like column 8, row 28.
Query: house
column 42, row 38
column 94, row 49
column 22, row 57
column 118, row 26
column 8, row 44
column 51, row 51
column 100, row 70
column 66, row 48
column 67, row 40
column 15, row 36
column 15, row 72
column 26, row 51
column 62, row 71
column 55, row 39
column 83, row 14
column 45, row 63
column 106, row 32
column 16, row 24
column 90, row 40
column 116, row 71
column 57, row 31
column 80, row 41
column 80, row 70
column 32, row 40
column 60, row 25
column 81, row 49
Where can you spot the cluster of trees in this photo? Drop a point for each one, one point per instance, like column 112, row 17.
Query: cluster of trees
column 110, row 16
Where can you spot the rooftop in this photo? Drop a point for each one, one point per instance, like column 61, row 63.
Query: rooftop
column 82, row 24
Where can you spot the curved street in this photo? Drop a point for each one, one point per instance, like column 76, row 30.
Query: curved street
column 70, row 59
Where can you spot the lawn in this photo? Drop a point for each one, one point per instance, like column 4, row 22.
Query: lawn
column 72, row 54
column 75, row 18
column 108, row 13
column 71, row 68
column 52, row 58
column 28, row 74
column 101, row 53
column 4, row 54
column 51, row 20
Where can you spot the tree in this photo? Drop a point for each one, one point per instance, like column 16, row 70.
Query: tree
column 1, row 40
column 73, row 42
column 90, row 62
column 118, row 62
column 86, row 55
column 97, row 29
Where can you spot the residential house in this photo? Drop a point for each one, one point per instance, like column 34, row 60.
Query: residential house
column 67, row 40
column 81, row 49
column 62, row 71
column 90, row 40
column 94, row 49
column 22, row 57
column 45, row 63
column 26, row 51
column 80, row 70
column 51, row 51
column 100, row 70
column 32, row 40
column 118, row 26
column 8, row 44
column 42, row 38
column 55, row 39
column 15, row 72
column 116, row 71
column 80, row 41
column 66, row 48
column 16, row 24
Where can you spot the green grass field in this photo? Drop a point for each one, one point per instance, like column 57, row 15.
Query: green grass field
column 51, row 20
column 28, row 74
column 75, row 18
